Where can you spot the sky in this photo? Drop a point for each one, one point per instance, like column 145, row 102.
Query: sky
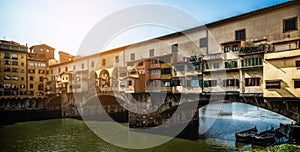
column 63, row 24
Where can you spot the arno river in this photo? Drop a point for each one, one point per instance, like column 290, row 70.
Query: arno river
column 74, row 135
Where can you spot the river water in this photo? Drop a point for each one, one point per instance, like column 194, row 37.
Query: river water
column 73, row 135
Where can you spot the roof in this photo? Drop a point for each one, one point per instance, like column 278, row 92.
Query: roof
column 209, row 25
column 223, row 21
column 254, row 13
column 41, row 45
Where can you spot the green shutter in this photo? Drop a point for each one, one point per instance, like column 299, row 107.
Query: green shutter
column 237, row 82
column 200, row 82
column 205, row 83
column 259, row 61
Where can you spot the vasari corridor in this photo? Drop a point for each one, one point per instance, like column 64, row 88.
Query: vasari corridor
column 169, row 76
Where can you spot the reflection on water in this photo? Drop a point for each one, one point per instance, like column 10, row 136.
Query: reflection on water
column 74, row 135
column 235, row 117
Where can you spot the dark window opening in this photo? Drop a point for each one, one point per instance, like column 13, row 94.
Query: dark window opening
column 296, row 83
column 210, row 83
column 166, row 71
column 203, row 42
column 132, row 56
column 226, row 49
column 117, row 59
column 151, row 52
column 231, row 82
column 290, row 24
column 174, row 48
column 103, row 62
column 252, row 82
column 298, row 64
column 240, row 34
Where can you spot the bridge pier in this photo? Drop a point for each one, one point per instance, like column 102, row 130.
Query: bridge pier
column 166, row 113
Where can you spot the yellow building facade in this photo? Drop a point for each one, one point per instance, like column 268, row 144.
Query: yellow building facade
column 282, row 74
column 13, row 70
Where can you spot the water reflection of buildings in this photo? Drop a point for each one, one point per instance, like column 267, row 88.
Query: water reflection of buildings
column 253, row 54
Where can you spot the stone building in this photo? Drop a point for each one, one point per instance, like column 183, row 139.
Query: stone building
column 229, row 56
column 13, row 67
column 65, row 57
column 41, row 51
column 37, row 77
column 24, row 73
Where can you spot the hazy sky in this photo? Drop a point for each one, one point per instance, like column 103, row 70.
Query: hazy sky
column 63, row 24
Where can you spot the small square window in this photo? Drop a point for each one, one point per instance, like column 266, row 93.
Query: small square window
column 92, row 64
column 41, row 79
column 103, row 62
column 203, row 42
column 298, row 64
column 174, row 48
column 151, row 52
column 290, row 24
column 227, row 49
column 132, row 56
column 235, row 47
column 240, row 34
column 117, row 59
column 296, row 83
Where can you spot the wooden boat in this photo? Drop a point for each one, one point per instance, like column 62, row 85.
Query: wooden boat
column 246, row 136
column 265, row 138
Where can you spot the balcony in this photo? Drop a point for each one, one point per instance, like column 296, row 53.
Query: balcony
column 250, row 50
column 216, row 56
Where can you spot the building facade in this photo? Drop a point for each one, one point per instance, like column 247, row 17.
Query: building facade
column 229, row 56
column 13, row 73
column 233, row 56
column 41, row 51
column 24, row 74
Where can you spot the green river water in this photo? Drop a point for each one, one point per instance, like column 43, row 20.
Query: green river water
column 73, row 135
